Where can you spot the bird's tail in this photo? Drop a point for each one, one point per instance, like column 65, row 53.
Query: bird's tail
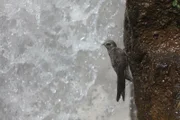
column 123, row 95
column 120, row 87
column 119, row 94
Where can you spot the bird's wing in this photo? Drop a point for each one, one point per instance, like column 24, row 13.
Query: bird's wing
column 120, row 63
column 118, row 58
column 121, row 58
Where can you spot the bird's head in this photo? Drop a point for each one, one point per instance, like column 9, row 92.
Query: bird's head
column 109, row 44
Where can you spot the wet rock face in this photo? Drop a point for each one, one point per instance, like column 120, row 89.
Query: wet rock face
column 156, row 86
column 152, row 40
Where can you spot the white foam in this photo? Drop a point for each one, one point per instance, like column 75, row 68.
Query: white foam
column 53, row 65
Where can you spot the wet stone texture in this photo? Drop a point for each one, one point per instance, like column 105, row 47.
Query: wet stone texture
column 152, row 41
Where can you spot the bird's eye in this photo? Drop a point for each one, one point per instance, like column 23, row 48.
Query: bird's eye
column 108, row 44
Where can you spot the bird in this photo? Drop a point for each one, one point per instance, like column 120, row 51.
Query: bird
column 119, row 61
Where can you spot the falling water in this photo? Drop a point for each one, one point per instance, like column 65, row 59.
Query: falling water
column 52, row 64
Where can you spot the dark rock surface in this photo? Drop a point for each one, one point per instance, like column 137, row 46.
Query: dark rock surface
column 152, row 41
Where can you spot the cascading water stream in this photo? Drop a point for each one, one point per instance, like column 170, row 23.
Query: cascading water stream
column 52, row 64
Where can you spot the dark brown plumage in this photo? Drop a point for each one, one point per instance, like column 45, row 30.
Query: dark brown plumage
column 120, row 64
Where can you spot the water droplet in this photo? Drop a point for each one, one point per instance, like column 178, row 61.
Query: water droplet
column 82, row 39
column 53, row 90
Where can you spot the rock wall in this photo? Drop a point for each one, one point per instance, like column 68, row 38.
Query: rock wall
column 152, row 41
